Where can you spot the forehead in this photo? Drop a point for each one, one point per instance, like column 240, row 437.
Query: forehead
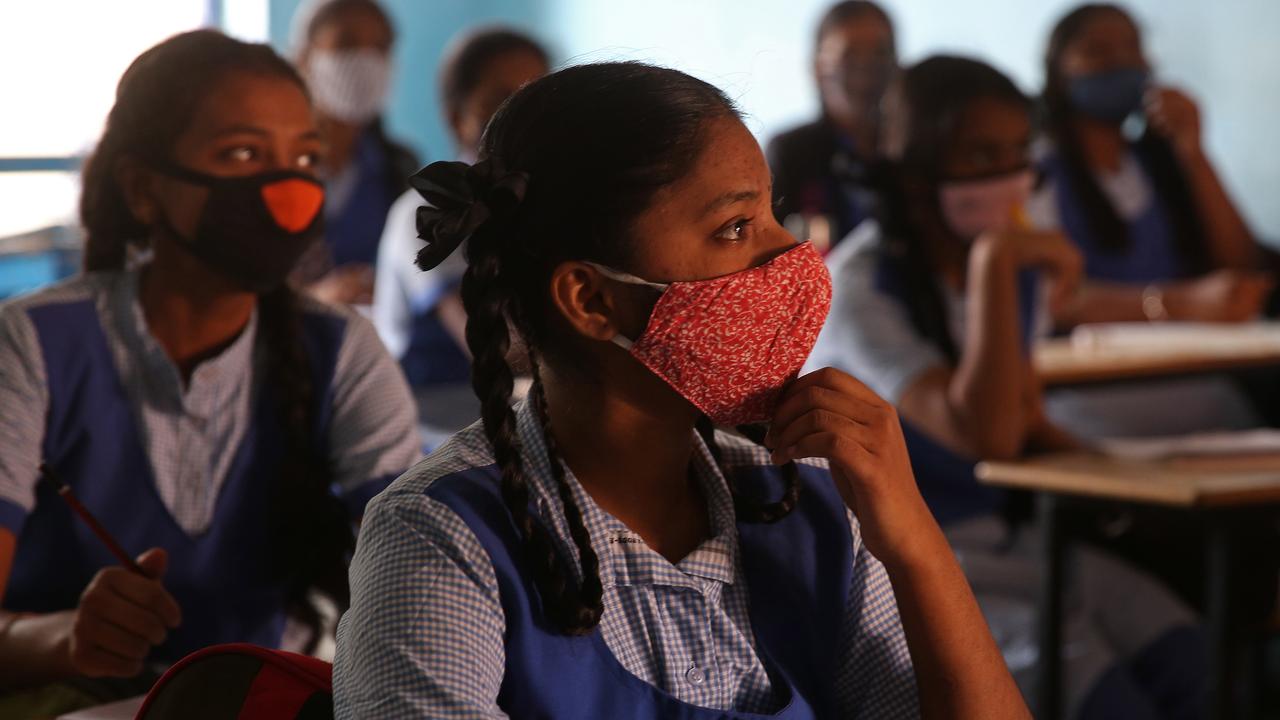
column 352, row 26
column 991, row 121
column 511, row 69
column 864, row 29
column 729, row 160
column 1106, row 27
column 271, row 103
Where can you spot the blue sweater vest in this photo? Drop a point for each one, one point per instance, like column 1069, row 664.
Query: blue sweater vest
column 1151, row 255
column 798, row 573
column 224, row 579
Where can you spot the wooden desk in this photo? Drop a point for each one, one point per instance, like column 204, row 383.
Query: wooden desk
column 1126, row 352
column 1215, row 487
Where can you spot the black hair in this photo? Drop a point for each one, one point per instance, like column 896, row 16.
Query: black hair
column 1153, row 151
column 314, row 14
column 931, row 97
column 596, row 143
column 469, row 59
column 156, row 99
column 842, row 12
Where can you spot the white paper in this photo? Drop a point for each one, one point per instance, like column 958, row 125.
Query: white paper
column 1178, row 337
column 1211, row 444
column 121, row 710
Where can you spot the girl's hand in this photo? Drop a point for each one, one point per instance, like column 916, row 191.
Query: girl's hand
column 121, row 616
column 1220, row 296
column 1175, row 116
column 828, row 414
column 1048, row 251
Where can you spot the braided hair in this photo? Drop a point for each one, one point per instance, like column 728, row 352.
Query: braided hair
column 158, row 96
column 566, row 165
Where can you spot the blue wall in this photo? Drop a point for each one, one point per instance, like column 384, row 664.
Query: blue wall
column 424, row 28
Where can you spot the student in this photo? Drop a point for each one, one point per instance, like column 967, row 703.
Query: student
column 343, row 48
column 822, row 170
column 1160, row 236
column 223, row 429
column 933, row 306
column 419, row 315
column 584, row 554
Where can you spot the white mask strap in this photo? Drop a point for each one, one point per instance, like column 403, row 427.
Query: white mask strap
column 622, row 341
column 625, row 277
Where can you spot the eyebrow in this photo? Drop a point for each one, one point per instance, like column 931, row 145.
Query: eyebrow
column 730, row 198
column 260, row 132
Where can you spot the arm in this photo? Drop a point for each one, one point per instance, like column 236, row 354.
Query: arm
column 1220, row 296
column 959, row 671
column 424, row 635
column 977, row 408
column 396, row 249
column 1175, row 116
column 373, row 435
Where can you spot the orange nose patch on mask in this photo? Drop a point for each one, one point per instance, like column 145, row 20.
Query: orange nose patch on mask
column 293, row 203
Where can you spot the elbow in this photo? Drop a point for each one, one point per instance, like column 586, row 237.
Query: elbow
column 993, row 441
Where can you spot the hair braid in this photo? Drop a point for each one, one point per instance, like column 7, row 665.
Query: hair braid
column 747, row 509
column 488, row 306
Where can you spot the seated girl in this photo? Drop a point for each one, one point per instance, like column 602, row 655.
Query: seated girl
column 601, row 550
column 1128, row 181
column 933, row 307
column 223, row 429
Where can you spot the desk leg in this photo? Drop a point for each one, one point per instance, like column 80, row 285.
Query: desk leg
column 1049, row 680
column 1218, row 607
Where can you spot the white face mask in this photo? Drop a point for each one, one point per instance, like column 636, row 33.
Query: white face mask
column 972, row 207
column 349, row 85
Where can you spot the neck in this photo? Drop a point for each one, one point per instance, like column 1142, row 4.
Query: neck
column 1103, row 144
column 341, row 138
column 630, row 446
column 191, row 312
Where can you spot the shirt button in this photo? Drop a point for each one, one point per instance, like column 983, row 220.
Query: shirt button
column 695, row 675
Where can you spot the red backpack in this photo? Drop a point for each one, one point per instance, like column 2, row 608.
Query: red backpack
column 239, row 681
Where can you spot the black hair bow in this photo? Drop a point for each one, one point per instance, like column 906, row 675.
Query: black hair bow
column 462, row 198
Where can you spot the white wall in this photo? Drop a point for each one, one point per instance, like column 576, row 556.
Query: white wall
column 1225, row 53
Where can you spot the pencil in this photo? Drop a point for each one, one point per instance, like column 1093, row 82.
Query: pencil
column 52, row 478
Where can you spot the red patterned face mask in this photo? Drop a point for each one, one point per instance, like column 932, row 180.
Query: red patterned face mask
column 729, row 344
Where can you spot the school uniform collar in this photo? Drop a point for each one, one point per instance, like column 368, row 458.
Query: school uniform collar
column 624, row 557
column 143, row 355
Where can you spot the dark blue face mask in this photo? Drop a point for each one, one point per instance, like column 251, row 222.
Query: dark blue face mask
column 1110, row 96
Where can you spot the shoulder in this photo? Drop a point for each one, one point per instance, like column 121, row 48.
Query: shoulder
column 86, row 286
column 809, row 136
column 466, row 451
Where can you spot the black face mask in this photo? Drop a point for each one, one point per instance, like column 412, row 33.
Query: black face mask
column 253, row 229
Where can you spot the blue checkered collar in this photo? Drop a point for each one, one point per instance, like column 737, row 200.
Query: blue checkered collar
column 625, row 559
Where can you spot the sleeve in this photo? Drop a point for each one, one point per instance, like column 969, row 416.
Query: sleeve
column 373, row 435
column 874, row 678
column 401, row 290
column 868, row 333
column 24, row 397
column 424, row 634
column 391, row 315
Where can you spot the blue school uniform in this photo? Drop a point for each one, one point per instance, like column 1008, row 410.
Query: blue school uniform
column 221, row 569
column 789, row 620
column 1152, row 255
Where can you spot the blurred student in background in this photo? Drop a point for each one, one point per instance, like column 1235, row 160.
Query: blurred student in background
column 934, row 304
column 821, row 169
column 1126, row 178
column 419, row 314
column 343, row 49
column 227, row 431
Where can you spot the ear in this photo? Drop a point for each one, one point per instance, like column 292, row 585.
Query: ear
column 138, row 186
column 587, row 301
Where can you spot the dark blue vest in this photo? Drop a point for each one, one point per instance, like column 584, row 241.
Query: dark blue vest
column 433, row 356
column 1152, row 255
column 798, row 573
column 224, row 579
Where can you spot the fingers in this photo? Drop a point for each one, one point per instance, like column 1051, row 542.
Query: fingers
column 154, row 562
column 99, row 632
column 826, row 389
column 129, row 616
column 93, row 661
column 814, row 422
column 146, row 593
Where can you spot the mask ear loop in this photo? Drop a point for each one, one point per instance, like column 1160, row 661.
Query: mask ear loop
column 620, row 340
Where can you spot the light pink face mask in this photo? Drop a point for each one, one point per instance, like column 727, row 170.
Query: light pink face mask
column 730, row 344
column 972, row 207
